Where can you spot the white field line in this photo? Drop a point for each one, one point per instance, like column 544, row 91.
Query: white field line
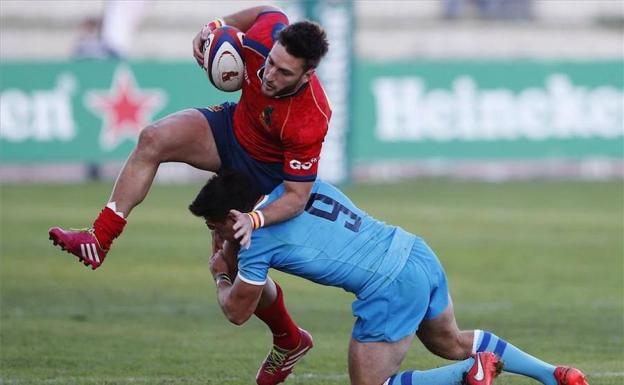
column 305, row 377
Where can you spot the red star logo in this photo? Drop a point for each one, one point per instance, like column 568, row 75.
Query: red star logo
column 125, row 108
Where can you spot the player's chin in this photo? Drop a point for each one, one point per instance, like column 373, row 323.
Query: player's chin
column 268, row 91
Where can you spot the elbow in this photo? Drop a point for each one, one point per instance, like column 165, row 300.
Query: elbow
column 271, row 8
column 300, row 203
column 299, row 208
column 237, row 317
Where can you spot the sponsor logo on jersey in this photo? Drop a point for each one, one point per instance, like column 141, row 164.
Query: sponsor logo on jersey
column 298, row 165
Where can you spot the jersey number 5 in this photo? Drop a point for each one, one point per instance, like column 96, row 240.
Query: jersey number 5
column 336, row 209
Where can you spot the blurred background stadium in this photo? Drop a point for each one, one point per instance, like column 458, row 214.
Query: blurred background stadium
column 487, row 89
column 493, row 128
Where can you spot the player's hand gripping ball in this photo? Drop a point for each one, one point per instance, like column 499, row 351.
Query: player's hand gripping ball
column 223, row 58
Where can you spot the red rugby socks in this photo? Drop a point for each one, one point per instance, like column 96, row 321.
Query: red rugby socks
column 285, row 331
column 108, row 225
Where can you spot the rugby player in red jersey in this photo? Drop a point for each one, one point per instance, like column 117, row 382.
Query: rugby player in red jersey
column 274, row 134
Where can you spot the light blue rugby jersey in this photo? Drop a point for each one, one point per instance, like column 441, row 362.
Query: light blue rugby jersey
column 332, row 243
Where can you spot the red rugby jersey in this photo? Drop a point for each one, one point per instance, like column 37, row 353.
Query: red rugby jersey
column 288, row 130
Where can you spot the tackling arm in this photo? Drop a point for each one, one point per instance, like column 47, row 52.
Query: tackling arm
column 290, row 204
column 237, row 300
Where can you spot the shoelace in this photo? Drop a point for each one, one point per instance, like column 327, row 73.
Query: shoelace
column 275, row 360
column 89, row 230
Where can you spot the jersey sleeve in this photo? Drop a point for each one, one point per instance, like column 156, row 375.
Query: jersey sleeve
column 254, row 263
column 302, row 148
column 263, row 32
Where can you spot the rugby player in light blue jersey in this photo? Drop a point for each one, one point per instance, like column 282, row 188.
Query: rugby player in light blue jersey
column 400, row 286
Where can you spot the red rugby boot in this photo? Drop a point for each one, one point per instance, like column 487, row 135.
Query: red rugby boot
column 279, row 363
column 566, row 375
column 82, row 243
column 91, row 245
column 484, row 370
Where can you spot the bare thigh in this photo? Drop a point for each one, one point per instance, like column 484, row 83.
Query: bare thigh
column 372, row 363
column 184, row 136
column 442, row 336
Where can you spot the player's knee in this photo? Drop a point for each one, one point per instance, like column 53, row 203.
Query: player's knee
column 150, row 142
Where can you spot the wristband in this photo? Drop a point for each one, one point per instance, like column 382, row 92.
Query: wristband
column 216, row 23
column 222, row 277
column 257, row 219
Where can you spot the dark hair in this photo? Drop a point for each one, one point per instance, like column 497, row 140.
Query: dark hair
column 305, row 40
column 230, row 189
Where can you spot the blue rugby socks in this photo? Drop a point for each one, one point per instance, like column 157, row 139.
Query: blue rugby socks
column 514, row 359
column 447, row 375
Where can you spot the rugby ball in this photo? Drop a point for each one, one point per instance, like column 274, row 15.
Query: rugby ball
column 223, row 58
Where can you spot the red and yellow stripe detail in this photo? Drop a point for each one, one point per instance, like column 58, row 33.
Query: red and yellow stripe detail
column 257, row 219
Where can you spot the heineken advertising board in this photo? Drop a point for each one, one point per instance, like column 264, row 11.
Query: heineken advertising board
column 91, row 110
column 487, row 110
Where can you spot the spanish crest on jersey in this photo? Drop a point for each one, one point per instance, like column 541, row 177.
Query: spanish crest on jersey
column 265, row 117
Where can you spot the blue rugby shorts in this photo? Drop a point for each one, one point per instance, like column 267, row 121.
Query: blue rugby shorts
column 267, row 176
column 419, row 292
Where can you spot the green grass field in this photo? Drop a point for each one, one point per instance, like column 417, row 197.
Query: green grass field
column 540, row 264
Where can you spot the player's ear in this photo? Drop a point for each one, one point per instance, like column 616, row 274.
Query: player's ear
column 308, row 74
column 232, row 215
